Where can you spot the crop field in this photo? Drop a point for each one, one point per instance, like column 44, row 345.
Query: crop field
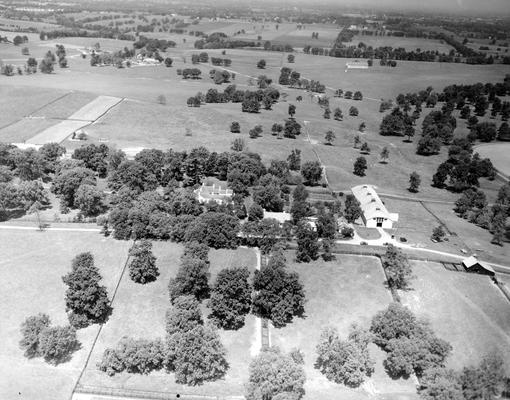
column 499, row 155
column 468, row 310
column 139, row 311
column 31, row 269
column 65, row 106
column 15, row 24
column 24, row 129
column 19, row 101
column 407, row 43
column 339, row 293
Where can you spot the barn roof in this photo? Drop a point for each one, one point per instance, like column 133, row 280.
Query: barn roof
column 371, row 204
column 470, row 262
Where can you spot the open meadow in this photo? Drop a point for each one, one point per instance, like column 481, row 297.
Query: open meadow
column 340, row 293
column 32, row 267
column 139, row 312
column 467, row 310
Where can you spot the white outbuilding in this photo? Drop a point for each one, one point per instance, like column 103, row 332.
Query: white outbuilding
column 375, row 214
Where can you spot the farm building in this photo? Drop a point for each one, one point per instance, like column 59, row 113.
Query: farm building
column 215, row 193
column 357, row 64
column 375, row 214
column 472, row 264
column 281, row 217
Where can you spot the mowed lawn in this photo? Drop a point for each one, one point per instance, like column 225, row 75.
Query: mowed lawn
column 467, row 310
column 339, row 293
column 31, row 270
column 139, row 312
column 498, row 153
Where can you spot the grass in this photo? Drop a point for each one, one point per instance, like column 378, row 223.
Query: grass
column 24, row 129
column 498, row 153
column 367, row 233
column 66, row 106
column 467, row 310
column 349, row 290
column 31, row 269
column 139, row 311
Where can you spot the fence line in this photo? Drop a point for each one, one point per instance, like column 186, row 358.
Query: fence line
column 147, row 394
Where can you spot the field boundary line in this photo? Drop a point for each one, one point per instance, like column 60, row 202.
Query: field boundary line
column 100, row 328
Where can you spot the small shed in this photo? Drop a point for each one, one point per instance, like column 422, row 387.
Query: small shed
column 472, row 264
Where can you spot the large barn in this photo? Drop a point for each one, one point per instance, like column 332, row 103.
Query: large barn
column 375, row 214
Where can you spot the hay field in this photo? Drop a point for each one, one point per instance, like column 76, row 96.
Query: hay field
column 139, row 311
column 468, row 310
column 31, row 269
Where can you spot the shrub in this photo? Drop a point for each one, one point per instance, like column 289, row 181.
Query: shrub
column 30, row 331
column 57, row 343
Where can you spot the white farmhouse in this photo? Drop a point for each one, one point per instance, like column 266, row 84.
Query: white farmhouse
column 375, row 214
column 213, row 193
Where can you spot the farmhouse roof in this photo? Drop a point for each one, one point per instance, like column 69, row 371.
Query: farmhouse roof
column 281, row 217
column 214, row 192
column 470, row 262
column 371, row 204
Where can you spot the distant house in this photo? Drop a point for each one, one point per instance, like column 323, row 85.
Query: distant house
column 375, row 214
column 472, row 264
column 357, row 64
column 213, row 193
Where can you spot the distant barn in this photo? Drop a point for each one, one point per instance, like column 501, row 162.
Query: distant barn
column 357, row 64
column 472, row 264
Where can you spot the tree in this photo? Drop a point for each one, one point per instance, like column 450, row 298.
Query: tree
column 133, row 175
column 357, row 95
column 86, row 301
column 428, row 145
column 29, row 164
column 337, row 114
column 276, row 129
column 191, row 280
column 294, row 160
column 290, row 58
column 346, row 362
column 168, row 62
column 397, row 267
column 187, row 352
column 352, row 208
column 484, row 381
column 308, row 246
column 217, row 230
column 89, row 200
column 311, row 172
column 261, row 64
column 300, row 208
column 235, row 127
column 47, row 63
column 230, row 298
column 273, row 375
column 279, row 295
column 357, row 141
column 67, row 183
column 142, row 268
column 291, row 129
column 353, row 111
column 327, row 113
column 440, row 384
column 414, row 182
column 57, row 343
column 31, row 329
column 329, row 137
column 385, row 154
column 326, row 224
column 255, row 212
column 438, row 233
column 362, row 127
column 238, row 144
column 292, row 110
column 256, row 131
column 364, row 148
column 360, row 166
column 138, row 356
